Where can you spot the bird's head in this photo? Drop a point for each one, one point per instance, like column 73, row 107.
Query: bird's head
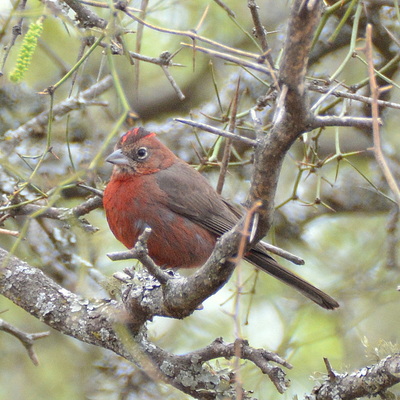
column 139, row 152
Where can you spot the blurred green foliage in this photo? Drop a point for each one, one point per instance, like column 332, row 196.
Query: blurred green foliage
column 344, row 243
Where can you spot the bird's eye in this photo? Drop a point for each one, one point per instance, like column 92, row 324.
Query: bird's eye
column 142, row 153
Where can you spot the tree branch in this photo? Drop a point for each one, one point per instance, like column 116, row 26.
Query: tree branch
column 84, row 15
column 366, row 382
column 27, row 339
column 108, row 324
column 292, row 114
column 40, row 121
column 332, row 120
column 59, row 213
column 216, row 131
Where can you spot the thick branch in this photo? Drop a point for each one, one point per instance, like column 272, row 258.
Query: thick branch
column 87, row 17
column 105, row 323
column 102, row 323
column 179, row 296
column 366, row 382
column 292, row 113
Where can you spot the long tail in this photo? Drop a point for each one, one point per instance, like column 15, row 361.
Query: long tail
column 263, row 261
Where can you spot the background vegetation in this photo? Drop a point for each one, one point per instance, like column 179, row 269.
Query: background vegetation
column 334, row 207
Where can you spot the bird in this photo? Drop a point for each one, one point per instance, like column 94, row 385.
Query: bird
column 151, row 187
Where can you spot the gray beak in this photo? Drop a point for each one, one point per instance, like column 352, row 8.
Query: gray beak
column 117, row 158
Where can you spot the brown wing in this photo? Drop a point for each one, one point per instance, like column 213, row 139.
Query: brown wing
column 189, row 194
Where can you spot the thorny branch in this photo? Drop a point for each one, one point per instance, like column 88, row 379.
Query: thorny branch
column 216, row 131
column 86, row 15
column 352, row 96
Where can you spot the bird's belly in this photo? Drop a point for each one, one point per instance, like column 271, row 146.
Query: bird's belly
column 177, row 242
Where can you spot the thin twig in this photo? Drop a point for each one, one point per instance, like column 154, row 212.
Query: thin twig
column 27, row 339
column 283, row 253
column 189, row 34
column 62, row 214
column 154, row 60
column 16, row 31
column 353, row 96
column 228, row 142
column 260, row 31
column 140, row 252
column 138, row 46
column 233, row 59
column 216, row 131
column 320, row 121
column 173, row 83
column 226, row 8
column 246, row 231
column 377, row 149
column 8, row 232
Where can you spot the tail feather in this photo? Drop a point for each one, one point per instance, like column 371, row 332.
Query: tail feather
column 263, row 261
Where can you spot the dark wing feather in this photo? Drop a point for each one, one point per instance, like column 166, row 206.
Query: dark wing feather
column 259, row 257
